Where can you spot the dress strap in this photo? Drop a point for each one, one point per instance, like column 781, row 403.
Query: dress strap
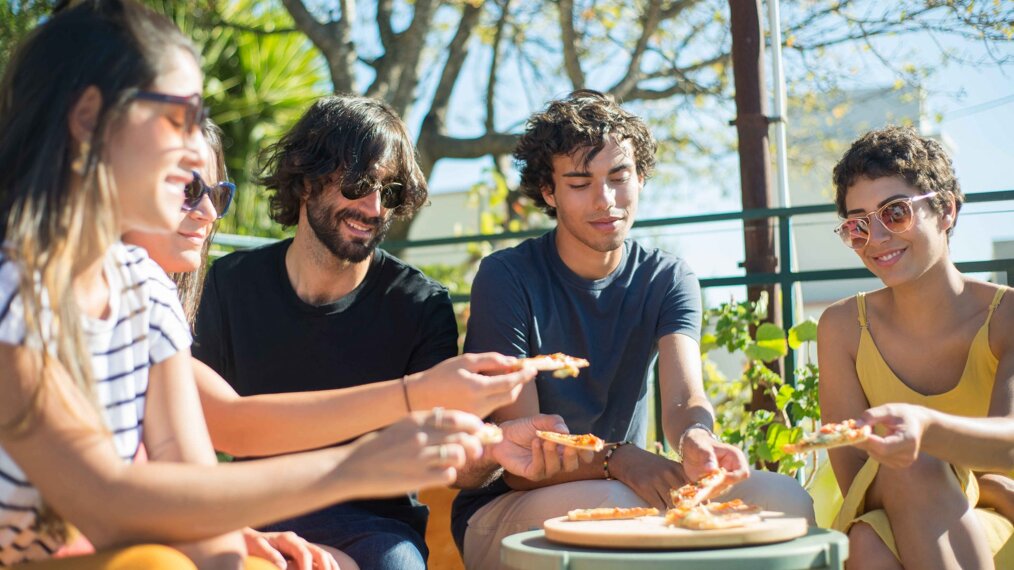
column 996, row 302
column 861, row 303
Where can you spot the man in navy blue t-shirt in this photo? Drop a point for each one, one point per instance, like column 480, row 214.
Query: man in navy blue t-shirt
column 587, row 290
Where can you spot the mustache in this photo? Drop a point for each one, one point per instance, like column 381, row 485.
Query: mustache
column 612, row 213
column 353, row 215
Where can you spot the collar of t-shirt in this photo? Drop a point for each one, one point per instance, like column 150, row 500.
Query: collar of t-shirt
column 567, row 275
column 361, row 290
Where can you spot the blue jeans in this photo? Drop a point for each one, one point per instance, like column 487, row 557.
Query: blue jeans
column 374, row 541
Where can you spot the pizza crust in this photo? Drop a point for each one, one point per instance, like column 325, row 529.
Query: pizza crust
column 577, row 441
column 830, row 436
column 605, row 514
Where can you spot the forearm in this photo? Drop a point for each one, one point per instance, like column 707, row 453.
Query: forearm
column 172, row 502
column 677, row 417
column 985, row 444
column 272, row 424
column 477, row 473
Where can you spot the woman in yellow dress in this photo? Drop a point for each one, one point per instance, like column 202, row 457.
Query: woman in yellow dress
column 931, row 337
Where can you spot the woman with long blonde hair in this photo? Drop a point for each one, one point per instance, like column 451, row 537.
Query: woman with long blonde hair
column 100, row 111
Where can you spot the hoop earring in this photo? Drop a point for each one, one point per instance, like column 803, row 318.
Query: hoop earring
column 78, row 164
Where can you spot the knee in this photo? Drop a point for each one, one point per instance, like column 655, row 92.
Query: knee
column 915, row 480
column 777, row 492
column 388, row 551
column 867, row 551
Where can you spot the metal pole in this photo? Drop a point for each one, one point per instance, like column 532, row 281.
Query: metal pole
column 793, row 293
column 754, row 160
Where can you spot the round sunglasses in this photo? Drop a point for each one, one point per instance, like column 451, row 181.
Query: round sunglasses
column 896, row 216
column 220, row 195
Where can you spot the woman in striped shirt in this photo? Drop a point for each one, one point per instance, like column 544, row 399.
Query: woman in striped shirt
column 100, row 111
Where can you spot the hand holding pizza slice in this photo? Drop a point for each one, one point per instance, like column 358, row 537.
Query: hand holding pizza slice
column 706, row 488
column 561, row 365
column 828, row 436
column 587, row 441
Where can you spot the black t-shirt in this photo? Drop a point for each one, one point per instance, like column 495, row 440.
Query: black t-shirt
column 262, row 338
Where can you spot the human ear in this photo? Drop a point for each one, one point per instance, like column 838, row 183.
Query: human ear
column 549, row 196
column 83, row 116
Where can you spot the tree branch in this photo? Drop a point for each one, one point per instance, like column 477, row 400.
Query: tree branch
column 333, row 39
column 649, row 23
column 457, row 51
column 494, row 65
column 571, row 60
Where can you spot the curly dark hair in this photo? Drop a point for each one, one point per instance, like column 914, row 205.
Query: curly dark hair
column 900, row 152
column 341, row 139
column 584, row 120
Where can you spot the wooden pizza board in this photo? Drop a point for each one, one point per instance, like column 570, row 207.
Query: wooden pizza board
column 652, row 533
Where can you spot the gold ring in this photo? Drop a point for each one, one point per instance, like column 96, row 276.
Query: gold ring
column 438, row 417
column 442, row 451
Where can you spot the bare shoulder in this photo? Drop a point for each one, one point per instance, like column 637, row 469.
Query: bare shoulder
column 1001, row 326
column 839, row 324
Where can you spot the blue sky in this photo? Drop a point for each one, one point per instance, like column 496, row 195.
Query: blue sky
column 976, row 107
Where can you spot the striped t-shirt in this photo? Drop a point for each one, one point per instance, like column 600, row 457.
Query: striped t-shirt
column 145, row 326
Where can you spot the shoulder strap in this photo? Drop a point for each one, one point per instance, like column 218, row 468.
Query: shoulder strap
column 861, row 302
column 996, row 301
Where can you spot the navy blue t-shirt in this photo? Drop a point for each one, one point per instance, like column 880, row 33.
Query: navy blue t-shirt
column 526, row 301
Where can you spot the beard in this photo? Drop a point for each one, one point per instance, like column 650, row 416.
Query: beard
column 326, row 225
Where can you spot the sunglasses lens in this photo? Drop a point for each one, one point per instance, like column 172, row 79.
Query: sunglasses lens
column 391, row 196
column 897, row 216
column 854, row 233
column 192, row 193
column 221, row 197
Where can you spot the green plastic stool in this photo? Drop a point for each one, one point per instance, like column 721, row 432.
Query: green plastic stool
column 819, row 549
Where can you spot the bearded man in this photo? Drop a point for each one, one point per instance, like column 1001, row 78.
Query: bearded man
column 328, row 309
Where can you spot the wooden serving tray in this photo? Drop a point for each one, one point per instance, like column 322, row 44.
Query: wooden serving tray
column 652, row 533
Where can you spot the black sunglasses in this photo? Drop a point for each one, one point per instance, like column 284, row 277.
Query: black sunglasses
column 220, row 195
column 196, row 111
column 391, row 194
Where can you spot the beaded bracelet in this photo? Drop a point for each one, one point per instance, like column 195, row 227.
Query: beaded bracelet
column 605, row 460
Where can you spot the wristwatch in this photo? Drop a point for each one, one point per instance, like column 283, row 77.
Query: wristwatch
column 693, row 426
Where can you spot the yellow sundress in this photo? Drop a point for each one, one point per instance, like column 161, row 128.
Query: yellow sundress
column 969, row 398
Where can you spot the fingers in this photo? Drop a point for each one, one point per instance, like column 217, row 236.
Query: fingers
column 570, row 460
column 490, row 362
column 549, row 422
column 258, row 546
column 551, row 457
column 295, row 548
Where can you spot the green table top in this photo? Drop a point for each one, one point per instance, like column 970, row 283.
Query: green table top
column 820, row 548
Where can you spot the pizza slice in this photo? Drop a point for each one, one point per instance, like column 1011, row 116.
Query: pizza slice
column 733, row 506
column 577, row 441
column 559, row 364
column 705, row 489
column 702, row 518
column 828, row 436
column 608, row 514
column 490, row 434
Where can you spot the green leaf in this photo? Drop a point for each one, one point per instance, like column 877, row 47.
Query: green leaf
column 709, row 342
column 779, row 435
column 784, row 396
column 770, row 344
column 803, row 332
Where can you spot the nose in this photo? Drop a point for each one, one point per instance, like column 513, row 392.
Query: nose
column 370, row 206
column 878, row 231
column 605, row 196
column 205, row 211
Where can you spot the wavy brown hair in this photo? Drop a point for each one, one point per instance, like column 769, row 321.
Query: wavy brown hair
column 901, row 153
column 582, row 122
column 341, row 139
